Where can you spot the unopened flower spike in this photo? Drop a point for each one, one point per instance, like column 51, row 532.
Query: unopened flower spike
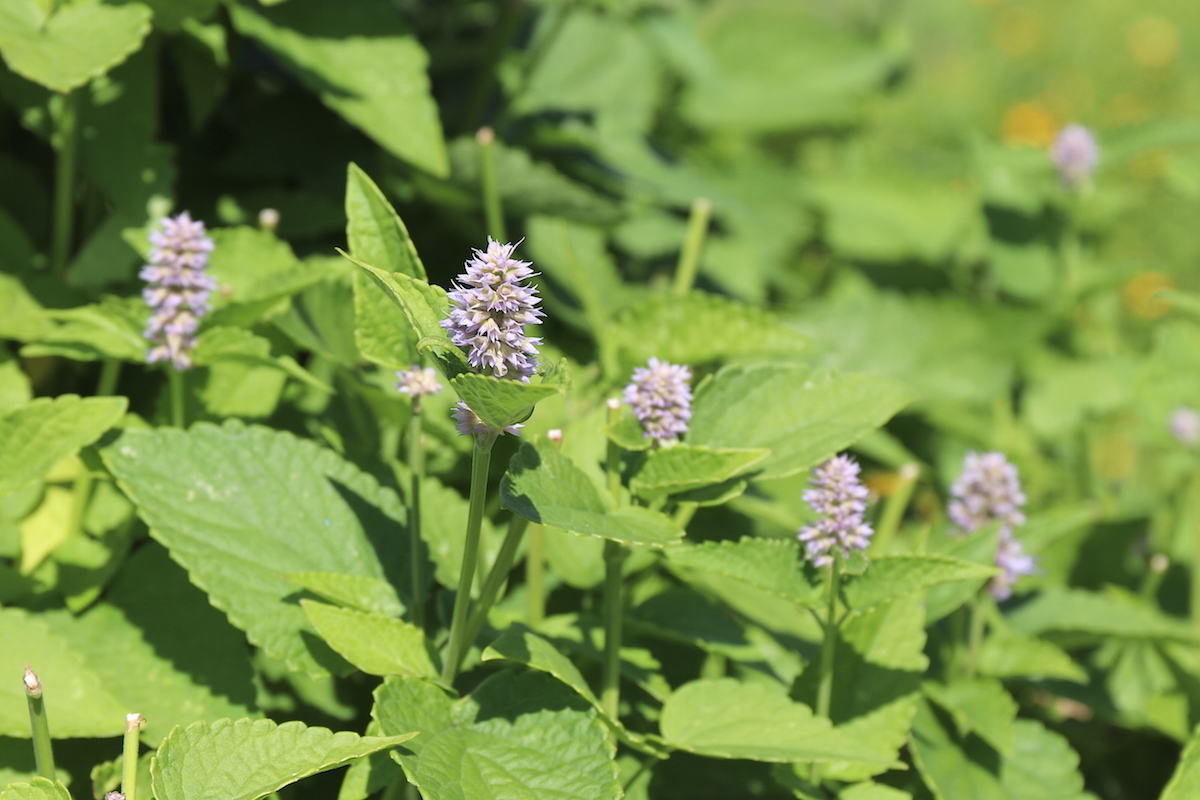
column 988, row 489
column 1075, row 155
column 662, row 399
column 178, row 289
column 840, row 499
column 417, row 382
column 490, row 307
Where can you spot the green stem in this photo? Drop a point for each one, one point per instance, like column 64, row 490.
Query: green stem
column 175, row 377
column 828, row 652
column 458, row 626
column 535, row 575
column 129, row 763
column 416, row 466
column 689, row 257
column 43, row 752
column 893, row 509
column 975, row 634
column 110, row 374
column 614, row 615
column 496, row 578
column 64, row 184
column 493, row 212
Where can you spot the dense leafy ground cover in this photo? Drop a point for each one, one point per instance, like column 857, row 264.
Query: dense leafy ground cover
column 842, row 218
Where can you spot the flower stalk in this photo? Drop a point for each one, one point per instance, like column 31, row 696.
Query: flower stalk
column 497, row 576
column 129, row 755
column 693, row 246
column 416, row 383
column 66, row 145
column 614, row 562
column 43, row 750
column 490, row 184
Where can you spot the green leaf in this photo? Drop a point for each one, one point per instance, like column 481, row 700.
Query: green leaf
column 499, row 402
column 523, row 646
column 980, row 706
column 699, row 328
column 217, row 346
column 675, row 469
column 21, row 317
column 364, row 64
column 1008, row 654
column 374, row 231
column 109, row 330
column 1184, row 784
column 356, row 591
column 174, row 669
column 726, row 719
column 769, row 564
column 1042, row 767
column 240, row 507
column 37, row 789
column 1094, row 616
column 889, row 577
column 545, row 486
column 375, row 644
column 77, row 702
column 36, row 437
column 257, row 270
column 381, row 331
column 425, row 306
column 803, row 416
column 247, row 759
column 78, row 42
column 520, row 734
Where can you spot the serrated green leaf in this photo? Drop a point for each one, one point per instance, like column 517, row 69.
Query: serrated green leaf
column 89, row 333
column 803, row 416
column 374, row 231
column 375, row 644
column 277, row 505
column 543, row 485
column 699, row 327
column 381, row 331
column 1042, row 767
column 356, row 591
column 727, row 719
column 980, row 706
column 173, row 669
column 77, row 42
column 37, row 789
column 425, row 306
column 769, row 564
column 247, row 759
column 77, row 701
column 1185, row 782
column 520, row 734
column 669, row 470
column 364, row 64
column 523, row 646
column 891, row 576
column 1092, row 615
column 499, row 402
column 36, row 437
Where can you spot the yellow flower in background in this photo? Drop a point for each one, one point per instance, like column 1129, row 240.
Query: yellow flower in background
column 1028, row 124
column 1153, row 42
column 1139, row 294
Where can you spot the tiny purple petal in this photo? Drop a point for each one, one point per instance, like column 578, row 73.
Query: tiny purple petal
column 468, row 423
column 1013, row 560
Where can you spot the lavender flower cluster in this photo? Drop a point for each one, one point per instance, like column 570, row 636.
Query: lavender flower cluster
column 179, row 289
column 841, row 500
column 489, row 310
column 988, row 490
column 417, row 382
column 662, row 399
column 1075, row 155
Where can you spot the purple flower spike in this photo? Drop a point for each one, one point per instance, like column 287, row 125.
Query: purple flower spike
column 489, row 311
column 417, row 382
column 1075, row 154
column 841, row 500
column 468, row 423
column 661, row 399
column 178, row 289
column 1012, row 558
column 987, row 490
